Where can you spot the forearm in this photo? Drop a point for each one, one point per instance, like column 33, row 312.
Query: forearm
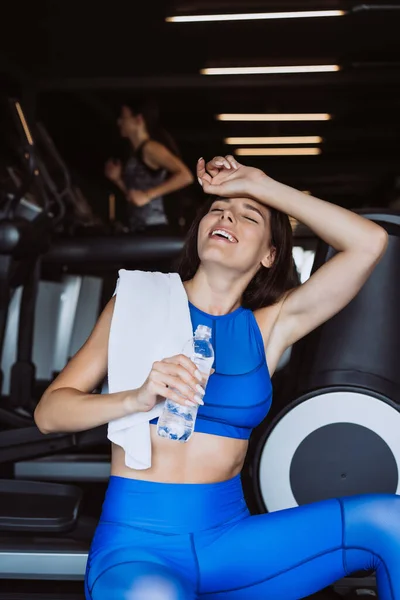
column 175, row 182
column 121, row 185
column 338, row 227
column 70, row 410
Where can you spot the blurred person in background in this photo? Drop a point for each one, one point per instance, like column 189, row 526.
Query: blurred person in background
column 153, row 170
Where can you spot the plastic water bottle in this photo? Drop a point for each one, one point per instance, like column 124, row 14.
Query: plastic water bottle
column 177, row 421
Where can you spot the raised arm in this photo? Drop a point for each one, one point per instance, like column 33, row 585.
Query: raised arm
column 359, row 242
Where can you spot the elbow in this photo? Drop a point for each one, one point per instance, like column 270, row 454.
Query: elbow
column 190, row 177
column 187, row 178
column 42, row 420
column 379, row 243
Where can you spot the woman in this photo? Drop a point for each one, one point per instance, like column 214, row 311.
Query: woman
column 181, row 529
column 153, row 171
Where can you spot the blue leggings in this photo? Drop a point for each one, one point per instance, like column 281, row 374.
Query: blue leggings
column 167, row 541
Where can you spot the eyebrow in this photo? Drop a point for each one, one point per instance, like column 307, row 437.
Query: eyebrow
column 251, row 207
column 248, row 206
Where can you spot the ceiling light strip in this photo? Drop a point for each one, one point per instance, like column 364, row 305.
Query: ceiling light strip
column 273, row 117
column 270, row 70
column 303, row 14
column 277, row 151
column 294, row 139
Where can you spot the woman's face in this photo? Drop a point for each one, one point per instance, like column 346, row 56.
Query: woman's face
column 127, row 122
column 236, row 233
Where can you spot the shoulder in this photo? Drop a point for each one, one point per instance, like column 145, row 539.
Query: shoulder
column 145, row 282
column 158, row 156
column 153, row 146
column 137, row 273
column 153, row 149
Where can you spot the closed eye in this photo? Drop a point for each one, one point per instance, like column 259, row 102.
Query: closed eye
column 250, row 219
column 216, row 210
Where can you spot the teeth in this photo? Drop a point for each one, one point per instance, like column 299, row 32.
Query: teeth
column 224, row 234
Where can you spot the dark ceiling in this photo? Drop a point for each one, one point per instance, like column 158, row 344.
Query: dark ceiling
column 73, row 63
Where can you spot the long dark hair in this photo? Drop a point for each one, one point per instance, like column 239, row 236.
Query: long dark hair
column 268, row 284
column 148, row 108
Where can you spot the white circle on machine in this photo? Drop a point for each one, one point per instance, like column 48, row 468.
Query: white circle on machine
column 331, row 443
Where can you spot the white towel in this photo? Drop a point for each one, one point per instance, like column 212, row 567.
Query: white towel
column 151, row 321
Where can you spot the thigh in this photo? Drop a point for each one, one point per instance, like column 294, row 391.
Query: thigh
column 287, row 555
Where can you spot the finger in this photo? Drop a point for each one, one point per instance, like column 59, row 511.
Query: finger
column 215, row 165
column 224, row 163
column 188, row 372
column 220, row 162
column 201, row 171
column 195, row 395
column 192, row 381
column 184, row 361
column 231, row 159
column 174, row 389
column 170, row 394
column 201, row 167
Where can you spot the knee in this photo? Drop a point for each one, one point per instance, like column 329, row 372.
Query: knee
column 138, row 580
column 372, row 521
column 154, row 582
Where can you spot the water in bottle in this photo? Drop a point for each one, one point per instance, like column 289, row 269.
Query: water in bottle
column 177, row 421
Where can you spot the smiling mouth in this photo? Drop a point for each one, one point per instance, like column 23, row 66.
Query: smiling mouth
column 224, row 235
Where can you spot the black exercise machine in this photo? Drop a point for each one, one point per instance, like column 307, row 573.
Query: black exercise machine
column 50, row 539
column 334, row 430
column 28, row 215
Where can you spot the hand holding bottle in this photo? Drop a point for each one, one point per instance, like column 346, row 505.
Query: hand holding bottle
column 177, row 422
column 176, row 378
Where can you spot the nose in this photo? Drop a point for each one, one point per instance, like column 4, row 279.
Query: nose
column 227, row 215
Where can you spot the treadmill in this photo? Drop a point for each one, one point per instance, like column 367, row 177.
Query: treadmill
column 32, row 513
column 43, row 536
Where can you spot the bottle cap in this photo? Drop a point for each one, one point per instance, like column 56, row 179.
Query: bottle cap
column 203, row 331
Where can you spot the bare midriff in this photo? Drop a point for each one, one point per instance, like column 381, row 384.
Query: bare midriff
column 204, row 458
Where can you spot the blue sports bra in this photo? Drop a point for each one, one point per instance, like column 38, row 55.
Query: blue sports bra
column 239, row 393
